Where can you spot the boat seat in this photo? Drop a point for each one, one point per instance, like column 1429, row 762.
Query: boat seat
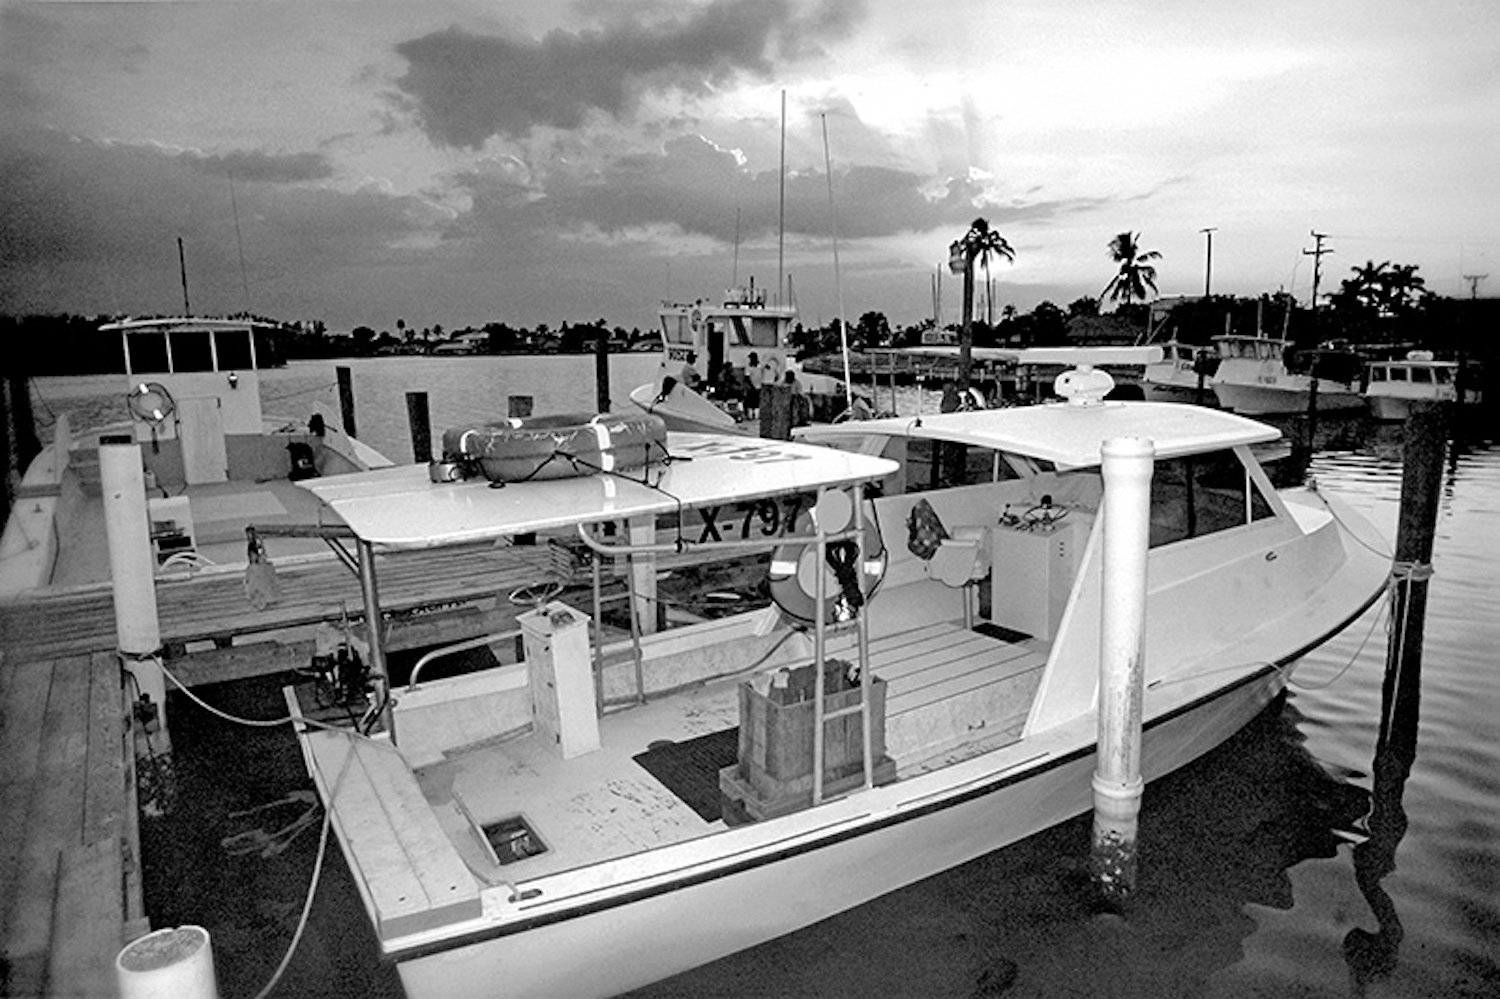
column 963, row 558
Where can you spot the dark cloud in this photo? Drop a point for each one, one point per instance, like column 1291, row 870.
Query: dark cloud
column 703, row 190
column 250, row 165
column 463, row 88
column 95, row 225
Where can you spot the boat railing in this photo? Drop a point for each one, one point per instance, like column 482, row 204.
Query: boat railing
column 454, row 649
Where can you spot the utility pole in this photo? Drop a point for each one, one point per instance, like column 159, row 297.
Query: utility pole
column 1474, row 280
column 1317, row 254
column 1208, row 265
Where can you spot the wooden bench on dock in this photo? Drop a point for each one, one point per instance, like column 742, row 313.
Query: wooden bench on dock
column 70, row 879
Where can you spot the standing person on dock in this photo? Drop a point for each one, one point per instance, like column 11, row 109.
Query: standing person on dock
column 752, row 386
column 690, row 376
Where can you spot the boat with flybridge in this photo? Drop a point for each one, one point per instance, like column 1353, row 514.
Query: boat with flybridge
column 612, row 808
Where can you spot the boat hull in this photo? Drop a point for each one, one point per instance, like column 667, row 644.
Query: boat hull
column 1268, row 400
column 617, row 943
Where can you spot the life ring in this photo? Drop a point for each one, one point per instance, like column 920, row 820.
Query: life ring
column 558, row 447
column 847, row 587
column 695, row 320
column 772, row 370
column 150, row 402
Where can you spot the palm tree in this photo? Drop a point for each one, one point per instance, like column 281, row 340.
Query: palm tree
column 979, row 242
column 1136, row 273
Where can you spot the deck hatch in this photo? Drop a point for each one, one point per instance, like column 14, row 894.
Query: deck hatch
column 512, row 839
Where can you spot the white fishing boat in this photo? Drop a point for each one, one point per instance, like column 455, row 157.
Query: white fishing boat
column 739, row 342
column 1253, row 378
column 1393, row 385
column 1182, row 375
column 213, row 461
column 602, row 814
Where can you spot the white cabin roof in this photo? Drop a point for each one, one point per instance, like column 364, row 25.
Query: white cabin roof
column 1069, row 435
column 401, row 507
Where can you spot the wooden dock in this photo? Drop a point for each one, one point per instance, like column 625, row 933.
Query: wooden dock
column 70, row 878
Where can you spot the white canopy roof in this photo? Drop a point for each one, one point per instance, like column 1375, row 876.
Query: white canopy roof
column 401, row 507
column 1070, row 435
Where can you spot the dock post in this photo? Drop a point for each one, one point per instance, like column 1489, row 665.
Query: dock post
column 1127, row 467
column 601, row 370
column 420, row 422
column 132, row 570
column 346, row 399
column 776, row 411
column 1400, row 697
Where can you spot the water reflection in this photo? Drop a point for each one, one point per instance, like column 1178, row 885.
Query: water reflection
column 1216, row 838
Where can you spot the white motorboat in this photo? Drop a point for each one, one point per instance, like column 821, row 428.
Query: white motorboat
column 1182, row 375
column 600, row 815
column 1253, row 379
column 730, row 341
column 213, row 461
column 1393, row 385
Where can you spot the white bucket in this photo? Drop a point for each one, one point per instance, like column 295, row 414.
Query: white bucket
column 174, row 963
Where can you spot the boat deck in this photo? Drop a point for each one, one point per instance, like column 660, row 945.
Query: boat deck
column 950, row 692
column 70, row 882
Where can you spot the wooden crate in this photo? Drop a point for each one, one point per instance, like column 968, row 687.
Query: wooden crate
column 775, row 768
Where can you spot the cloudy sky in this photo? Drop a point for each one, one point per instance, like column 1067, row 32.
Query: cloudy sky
column 547, row 161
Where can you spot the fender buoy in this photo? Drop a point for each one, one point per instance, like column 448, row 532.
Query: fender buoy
column 558, row 447
column 150, row 402
column 848, row 586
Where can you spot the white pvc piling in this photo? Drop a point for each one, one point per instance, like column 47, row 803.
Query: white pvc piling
column 1127, row 466
column 132, row 572
column 174, row 963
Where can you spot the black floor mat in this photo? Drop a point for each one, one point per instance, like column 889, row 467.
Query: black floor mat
column 1001, row 632
column 690, row 769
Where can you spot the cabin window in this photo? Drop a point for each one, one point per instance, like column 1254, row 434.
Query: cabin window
column 1442, row 376
column 191, row 351
column 233, row 348
column 940, row 464
column 676, row 329
column 1201, row 495
column 147, row 352
column 1422, row 375
column 1398, row 374
column 1377, row 374
column 763, row 332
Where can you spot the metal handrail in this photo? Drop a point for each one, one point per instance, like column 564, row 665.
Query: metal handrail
column 464, row 646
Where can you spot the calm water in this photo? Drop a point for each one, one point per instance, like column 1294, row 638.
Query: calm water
column 1270, row 868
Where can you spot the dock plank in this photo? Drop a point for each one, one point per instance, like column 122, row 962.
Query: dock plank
column 213, row 604
column 104, row 797
column 87, row 922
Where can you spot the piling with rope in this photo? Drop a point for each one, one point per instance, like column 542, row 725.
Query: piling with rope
column 1117, row 782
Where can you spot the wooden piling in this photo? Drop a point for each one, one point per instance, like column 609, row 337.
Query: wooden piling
column 1400, row 701
column 420, row 422
column 346, row 399
column 776, row 411
column 601, row 370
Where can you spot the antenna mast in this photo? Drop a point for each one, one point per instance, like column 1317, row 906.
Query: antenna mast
column 1474, row 280
column 187, row 310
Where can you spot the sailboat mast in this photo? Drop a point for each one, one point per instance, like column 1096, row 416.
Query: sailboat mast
column 838, row 283
column 781, row 210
